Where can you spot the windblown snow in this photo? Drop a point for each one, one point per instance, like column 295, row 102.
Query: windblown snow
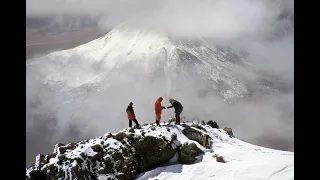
column 244, row 161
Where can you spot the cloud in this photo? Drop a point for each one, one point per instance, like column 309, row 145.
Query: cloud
column 252, row 27
column 218, row 18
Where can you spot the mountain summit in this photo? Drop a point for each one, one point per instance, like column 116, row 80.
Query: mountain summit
column 152, row 52
column 186, row 151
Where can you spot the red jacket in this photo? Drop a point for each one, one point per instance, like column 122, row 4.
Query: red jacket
column 157, row 106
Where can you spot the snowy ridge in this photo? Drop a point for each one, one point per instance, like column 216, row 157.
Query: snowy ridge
column 149, row 50
column 242, row 160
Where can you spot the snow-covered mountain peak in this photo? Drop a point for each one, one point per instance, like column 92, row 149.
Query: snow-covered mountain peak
column 98, row 61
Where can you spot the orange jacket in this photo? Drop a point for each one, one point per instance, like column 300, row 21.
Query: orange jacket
column 130, row 113
column 157, row 106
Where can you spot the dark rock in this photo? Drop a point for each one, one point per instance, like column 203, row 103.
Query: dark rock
column 117, row 156
column 155, row 150
column 131, row 130
column 96, row 157
column 83, row 155
column 188, row 153
column 53, row 170
column 62, row 157
column 130, row 137
column 77, row 172
column 71, row 146
column 220, row 159
column 62, row 150
column 228, row 131
column 97, row 148
column 121, row 177
column 38, row 175
column 174, row 137
column 106, row 146
column 213, row 124
column 195, row 135
column 164, row 138
column 108, row 165
column 119, row 136
column 79, row 160
column 109, row 135
column 205, row 141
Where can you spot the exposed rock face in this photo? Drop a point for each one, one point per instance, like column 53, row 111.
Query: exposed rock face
column 196, row 135
column 155, row 151
column 213, row 124
column 229, row 131
column 122, row 155
column 188, row 153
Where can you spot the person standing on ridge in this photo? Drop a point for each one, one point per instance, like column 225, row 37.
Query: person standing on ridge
column 131, row 115
column 158, row 109
column 177, row 109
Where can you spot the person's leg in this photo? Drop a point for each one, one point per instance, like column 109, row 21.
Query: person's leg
column 158, row 118
column 130, row 122
column 178, row 116
column 135, row 121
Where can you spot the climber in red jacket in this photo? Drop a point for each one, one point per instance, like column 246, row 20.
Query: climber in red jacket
column 158, row 109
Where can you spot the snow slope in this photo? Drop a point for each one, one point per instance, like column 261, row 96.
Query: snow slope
column 244, row 161
column 148, row 49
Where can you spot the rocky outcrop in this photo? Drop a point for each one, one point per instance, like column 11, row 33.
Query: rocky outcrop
column 219, row 158
column 188, row 153
column 122, row 155
column 197, row 135
column 213, row 124
column 154, row 151
column 228, row 131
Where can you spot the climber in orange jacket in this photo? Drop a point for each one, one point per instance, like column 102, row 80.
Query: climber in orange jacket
column 158, row 109
column 131, row 115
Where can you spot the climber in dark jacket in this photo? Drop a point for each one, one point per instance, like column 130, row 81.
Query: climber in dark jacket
column 131, row 115
column 177, row 109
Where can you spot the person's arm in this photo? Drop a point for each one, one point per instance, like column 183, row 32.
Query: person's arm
column 132, row 111
column 172, row 105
